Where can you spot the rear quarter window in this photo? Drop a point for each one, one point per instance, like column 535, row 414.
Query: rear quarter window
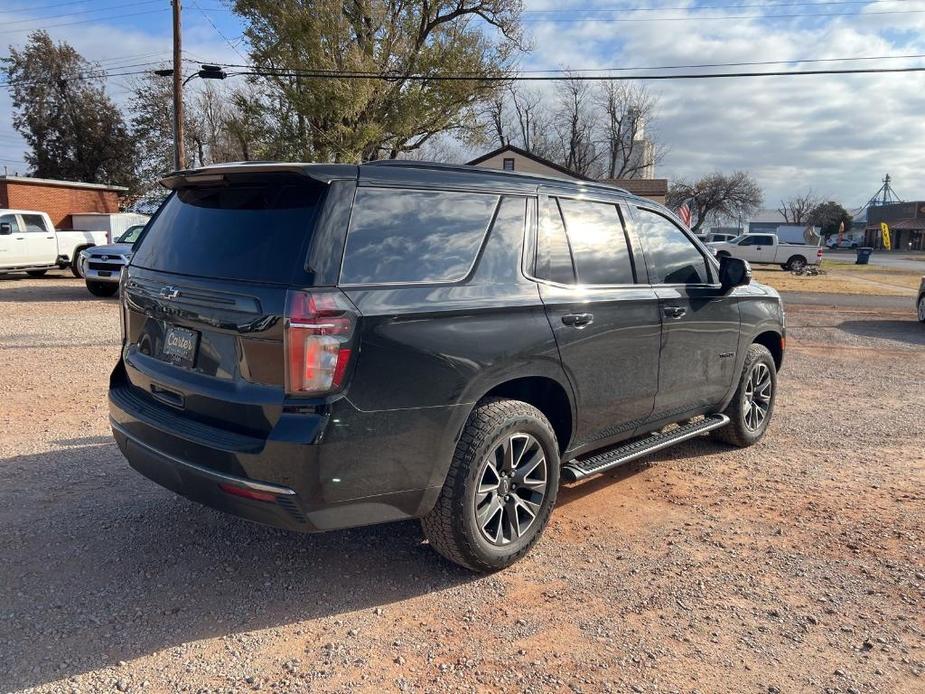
column 414, row 236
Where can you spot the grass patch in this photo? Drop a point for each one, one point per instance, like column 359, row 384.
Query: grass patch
column 843, row 279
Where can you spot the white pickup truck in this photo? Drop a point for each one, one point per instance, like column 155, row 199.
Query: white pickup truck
column 29, row 243
column 767, row 248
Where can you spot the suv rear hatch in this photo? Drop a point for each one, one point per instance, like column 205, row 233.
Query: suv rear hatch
column 205, row 298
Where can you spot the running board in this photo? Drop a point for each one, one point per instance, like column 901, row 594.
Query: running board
column 580, row 468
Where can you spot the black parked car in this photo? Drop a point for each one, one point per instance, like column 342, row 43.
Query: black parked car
column 325, row 346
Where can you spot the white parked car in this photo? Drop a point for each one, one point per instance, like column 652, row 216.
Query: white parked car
column 102, row 266
column 29, row 243
column 767, row 249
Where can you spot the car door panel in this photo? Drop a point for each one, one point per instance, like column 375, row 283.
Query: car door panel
column 611, row 360
column 699, row 338
column 41, row 244
column 13, row 245
column 607, row 334
column 699, row 323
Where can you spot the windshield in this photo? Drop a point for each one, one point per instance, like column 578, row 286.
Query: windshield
column 131, row 234
column 255, row 229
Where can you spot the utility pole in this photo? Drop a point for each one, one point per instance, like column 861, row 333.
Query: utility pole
column 179, row 153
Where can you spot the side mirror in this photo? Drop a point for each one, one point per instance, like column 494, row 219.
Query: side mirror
column 6, row 228
column 734, row 272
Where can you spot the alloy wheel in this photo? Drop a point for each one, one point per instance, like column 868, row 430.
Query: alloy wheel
column 512, row 486
column 758, row 394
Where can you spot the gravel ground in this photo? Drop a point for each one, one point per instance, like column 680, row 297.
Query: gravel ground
column 795, row 565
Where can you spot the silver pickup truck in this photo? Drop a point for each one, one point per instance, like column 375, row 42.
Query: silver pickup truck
column 102, row 266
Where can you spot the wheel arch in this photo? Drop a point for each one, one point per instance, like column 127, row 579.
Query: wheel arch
column 774, row 342
column 548, row 396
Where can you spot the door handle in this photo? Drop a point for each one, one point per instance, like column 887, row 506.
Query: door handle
column 674, row 311
column 578, row 320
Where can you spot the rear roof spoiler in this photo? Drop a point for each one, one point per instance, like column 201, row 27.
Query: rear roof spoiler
column 323, row 173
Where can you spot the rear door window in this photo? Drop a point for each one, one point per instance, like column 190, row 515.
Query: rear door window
column 598, row 242
column 33, row 222
column 414, row 236
column 671, row 256
column 255, row 230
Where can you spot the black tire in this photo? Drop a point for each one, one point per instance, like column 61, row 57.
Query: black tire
column 75, row 263
column 920, row 308
column 36, row 273
column 102, row 288
column 797, row 262
column 784, row 266
column 739, row 432
column 452, row 526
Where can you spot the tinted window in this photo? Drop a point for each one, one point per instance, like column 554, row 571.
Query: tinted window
column 33, row 222
column 256, row 231
column 501, row 260
column 756, row 241
column 414, row 236
column 553, row 258
column 12, row 221
column 671, row 256
column 595, row 233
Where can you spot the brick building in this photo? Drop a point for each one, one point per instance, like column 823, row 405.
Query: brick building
column 58, row 199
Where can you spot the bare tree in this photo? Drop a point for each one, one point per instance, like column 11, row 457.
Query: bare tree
column 573, row 123
column 627, row 109
column 796, row 210
column 495, row 113
column 717, row 195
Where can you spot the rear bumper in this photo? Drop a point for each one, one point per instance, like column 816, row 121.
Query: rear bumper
column 302, row 483
column 205, row 486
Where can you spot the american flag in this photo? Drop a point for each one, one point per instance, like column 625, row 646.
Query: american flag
column 685, row 213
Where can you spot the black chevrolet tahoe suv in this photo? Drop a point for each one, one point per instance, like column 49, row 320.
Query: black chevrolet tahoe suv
column 320, row 346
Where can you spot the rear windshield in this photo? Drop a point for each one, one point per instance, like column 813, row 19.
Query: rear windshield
column 256, row 231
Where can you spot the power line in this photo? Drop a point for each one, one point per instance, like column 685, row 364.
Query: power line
column 107, row 8
column 30, row 7
column 784, row 61
column 218, row 31
column 718, row 18
column 85, row 21
column 562, row 78
column 693, row 17
column 78, row 78
column 765, row 5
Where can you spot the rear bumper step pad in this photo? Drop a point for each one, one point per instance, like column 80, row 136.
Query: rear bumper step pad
column 580, row 468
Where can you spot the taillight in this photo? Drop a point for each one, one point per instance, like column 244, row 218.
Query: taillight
column 319, row 339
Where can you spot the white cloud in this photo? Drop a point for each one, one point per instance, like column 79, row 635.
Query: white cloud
column 837, row 134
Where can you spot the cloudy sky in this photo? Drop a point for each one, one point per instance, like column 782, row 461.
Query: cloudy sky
column 836, row 134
